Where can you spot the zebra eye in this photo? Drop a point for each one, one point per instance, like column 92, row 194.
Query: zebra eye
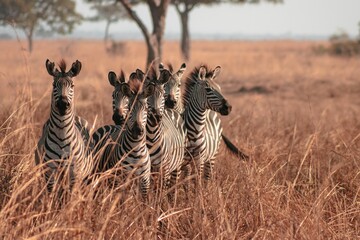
column 72, row 85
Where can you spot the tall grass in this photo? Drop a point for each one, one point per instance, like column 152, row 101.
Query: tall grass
column 302, row 181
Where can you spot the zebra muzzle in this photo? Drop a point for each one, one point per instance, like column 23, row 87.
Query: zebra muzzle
column 137, row 131
column 170, row 102
column 62, row 105
column 118, row 118
column 225, row 109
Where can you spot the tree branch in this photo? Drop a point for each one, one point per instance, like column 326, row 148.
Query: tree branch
column 136, row 18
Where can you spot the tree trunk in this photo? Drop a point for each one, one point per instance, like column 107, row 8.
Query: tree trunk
column 185, row 35
column 152, row 52
column 158, row 15
column 106, row 37
column 29, row 37
column 154, row 41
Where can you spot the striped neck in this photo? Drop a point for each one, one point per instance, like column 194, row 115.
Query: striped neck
column 62, row 124
column 194, row 117
column 179, row 107
column 154, row 137
column 134, row 147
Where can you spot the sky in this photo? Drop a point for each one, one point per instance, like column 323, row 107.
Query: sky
column 292, row 18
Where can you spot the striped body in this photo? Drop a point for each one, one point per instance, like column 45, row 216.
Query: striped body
column 125, row 146
column 202, row 100
column 63, row 146
column 165, row 132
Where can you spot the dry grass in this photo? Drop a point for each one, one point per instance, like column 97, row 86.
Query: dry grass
column 301, row 129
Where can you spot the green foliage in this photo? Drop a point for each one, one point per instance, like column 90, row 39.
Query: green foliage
column 40, row 15
column 110, row 11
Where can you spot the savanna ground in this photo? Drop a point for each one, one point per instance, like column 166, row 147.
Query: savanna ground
column 294, row 112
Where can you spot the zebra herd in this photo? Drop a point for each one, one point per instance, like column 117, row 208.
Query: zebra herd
column 155, row 128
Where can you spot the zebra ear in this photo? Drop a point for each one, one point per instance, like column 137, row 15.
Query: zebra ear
column 50, row 67
column 140, row 74
column 125, row 89
column 161, row 66
column 112, row 78
column 75, row 69
column 181, row 71
column 164, row 76
column 149, row 90
column 202, row 73
column 122, row 77
column 216, row 72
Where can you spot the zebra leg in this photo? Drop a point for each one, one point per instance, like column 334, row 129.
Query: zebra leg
column 208, row 168
column 144, row 186
column 172, row 184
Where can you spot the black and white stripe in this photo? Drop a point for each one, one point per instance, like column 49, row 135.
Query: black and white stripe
column 165, row 132
column 127, row 147
column 202, row 101
column 63, row 145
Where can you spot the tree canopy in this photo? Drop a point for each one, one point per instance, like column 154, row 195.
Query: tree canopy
column 184, row 7
column 108, row 11
column 58, row 16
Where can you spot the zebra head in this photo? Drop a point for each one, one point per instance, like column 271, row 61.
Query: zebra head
column 120, row 101
column 63, row 85
column 137, row 93
column 172, row 87
column 156, row 101
column 202, row 89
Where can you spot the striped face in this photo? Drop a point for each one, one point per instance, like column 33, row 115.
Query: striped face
column 156, row 101
column 211, row 92
column 120, row 101
column 63, row 86
column 173, row 87
column 138, row 116
column 138, row 106
column 63, row 94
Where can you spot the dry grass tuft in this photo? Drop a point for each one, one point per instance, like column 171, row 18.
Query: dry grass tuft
column 302, row 181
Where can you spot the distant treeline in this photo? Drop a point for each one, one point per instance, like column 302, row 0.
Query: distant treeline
column 340, row 45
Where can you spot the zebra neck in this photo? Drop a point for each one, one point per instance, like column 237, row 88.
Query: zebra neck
column 132, row 145
column 194, row 119
column 155, row 138
column 179, row 107
column 62, row 124
column 154, row 131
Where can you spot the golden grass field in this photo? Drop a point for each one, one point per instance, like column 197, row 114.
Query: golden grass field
column 297, row 115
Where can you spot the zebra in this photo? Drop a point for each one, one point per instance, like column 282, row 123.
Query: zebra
column 65, row 138
column 127, row 146
column 120, row 108
column 202, row 100
column 165, row 132
column 173, row 88
column 120, row 101
column 173, row 101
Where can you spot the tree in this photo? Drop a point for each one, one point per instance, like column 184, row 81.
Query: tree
column 39, row 15
column 154, row 39
column 110, row 12
column 184, row 7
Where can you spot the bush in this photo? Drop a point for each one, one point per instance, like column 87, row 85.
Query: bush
column 343, row 45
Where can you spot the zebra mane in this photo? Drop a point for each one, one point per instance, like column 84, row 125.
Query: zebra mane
column 171, row 68
column 135, row 85
column 191, row 81
column 152, row 74
column 62, row 65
